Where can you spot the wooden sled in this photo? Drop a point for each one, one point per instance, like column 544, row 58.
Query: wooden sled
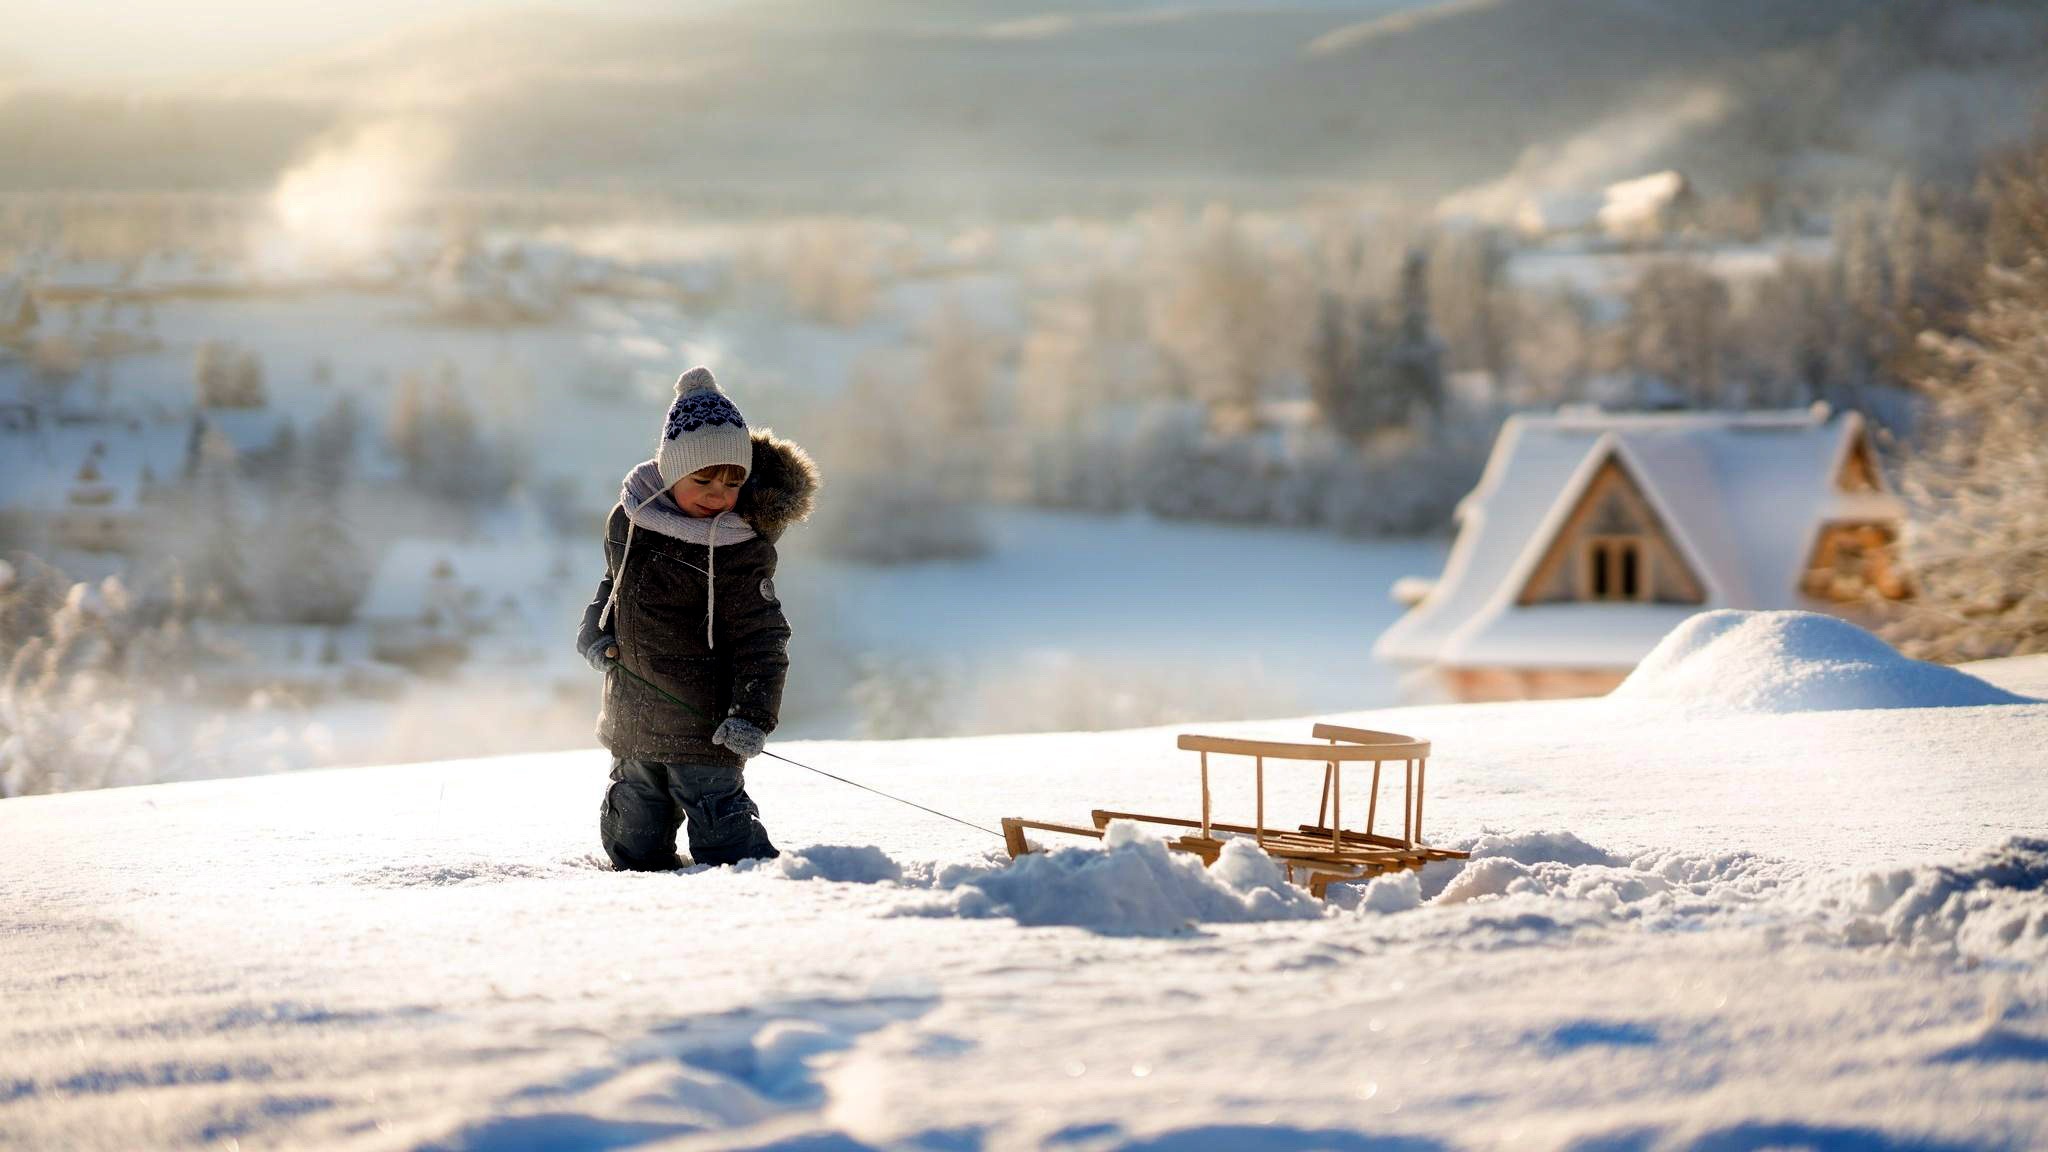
column 1319, row 854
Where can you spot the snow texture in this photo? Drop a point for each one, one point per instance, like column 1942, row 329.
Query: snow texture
column 1680, row 928
column 1134, row 886
column 1794, row 662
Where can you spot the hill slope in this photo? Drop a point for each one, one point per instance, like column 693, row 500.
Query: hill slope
column 1677, row 930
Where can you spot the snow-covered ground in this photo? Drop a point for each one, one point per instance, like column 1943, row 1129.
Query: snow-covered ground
column 1076, row 620
column 1683, row 927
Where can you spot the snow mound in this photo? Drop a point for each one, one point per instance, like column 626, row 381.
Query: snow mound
column 1734, row 661
column 838, row 863
column 1132, row 886
column 1991, row 906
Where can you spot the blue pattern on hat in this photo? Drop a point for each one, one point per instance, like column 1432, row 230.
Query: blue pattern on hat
column 697, row 409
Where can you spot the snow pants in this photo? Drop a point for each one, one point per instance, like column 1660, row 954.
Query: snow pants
column 649, row 799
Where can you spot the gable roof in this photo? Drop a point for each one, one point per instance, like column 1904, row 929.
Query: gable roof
column 1743, row 496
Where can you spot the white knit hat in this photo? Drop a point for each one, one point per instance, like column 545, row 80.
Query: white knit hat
column 703, row 429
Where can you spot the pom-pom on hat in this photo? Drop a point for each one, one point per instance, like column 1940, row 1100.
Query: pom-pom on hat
column 703, row 428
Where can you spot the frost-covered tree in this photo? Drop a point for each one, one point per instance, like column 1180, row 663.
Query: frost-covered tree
column 1218, row 318
column 1675, row 331
column 220, row 566
column 830, row 270
column 434, row 431
column 1469, row 302
column 959, row 367
column 1978, row 474
column 1415, row 358
column 896, row 502
column 67, row 720
column 224, row 376
column 1554, row 347
column 1366, row 374
column 318, row 572
column 330, row 450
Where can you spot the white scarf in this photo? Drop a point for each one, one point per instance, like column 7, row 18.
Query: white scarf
column 648, row 505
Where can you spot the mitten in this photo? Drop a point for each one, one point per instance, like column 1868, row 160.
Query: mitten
column 741, row 737
column 603, row 652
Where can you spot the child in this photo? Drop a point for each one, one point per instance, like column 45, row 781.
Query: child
column 688, row 606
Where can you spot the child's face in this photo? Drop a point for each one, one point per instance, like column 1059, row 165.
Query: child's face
column 707, row 491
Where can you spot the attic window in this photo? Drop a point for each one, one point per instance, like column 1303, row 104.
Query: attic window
column 1852, row 562
column 1614, row 568
column 1613, row 546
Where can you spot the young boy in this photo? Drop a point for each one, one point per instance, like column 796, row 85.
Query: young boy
column 687, row 607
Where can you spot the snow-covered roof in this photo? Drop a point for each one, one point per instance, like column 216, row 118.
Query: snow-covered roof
column 1637, row 203
column 1561, row 211
column 1743, row 496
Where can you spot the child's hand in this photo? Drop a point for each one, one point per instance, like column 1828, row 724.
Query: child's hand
column 741, row 737
column 602, row 653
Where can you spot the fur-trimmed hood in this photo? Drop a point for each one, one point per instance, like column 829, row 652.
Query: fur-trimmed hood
column 782, row 487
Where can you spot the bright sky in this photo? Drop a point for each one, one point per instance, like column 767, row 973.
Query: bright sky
column 112, row 41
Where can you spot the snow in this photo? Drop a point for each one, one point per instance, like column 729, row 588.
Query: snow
column 1744, row 496
column 1681, row 928
column 1134, row 886
column 1073, row 616
column 1794, row 662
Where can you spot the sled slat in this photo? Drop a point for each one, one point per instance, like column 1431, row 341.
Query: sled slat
column 1013, row 833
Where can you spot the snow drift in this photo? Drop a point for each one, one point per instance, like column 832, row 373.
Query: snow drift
column 1134, row 885
column 1734, row 661
column 1991, row 905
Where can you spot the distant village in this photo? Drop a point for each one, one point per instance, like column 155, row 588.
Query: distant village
column 340, row 473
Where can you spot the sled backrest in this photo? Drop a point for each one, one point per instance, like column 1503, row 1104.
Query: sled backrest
column 1320, row 753
column 1390, row 745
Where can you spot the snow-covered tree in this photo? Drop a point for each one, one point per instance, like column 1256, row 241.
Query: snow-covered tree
column 319, row 572
column 1675, row 331
column 224, row 376
column 67, row 720
column 1978, row 474
column 220, row 565
column 895, row 500
column 1468, row 301
column 330, row 450
column 1415, row 358
column 1366, row 374
column 959, row 366
column 1218, row 318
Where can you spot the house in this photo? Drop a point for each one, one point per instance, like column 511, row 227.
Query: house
column 1592, row 534
column 1558, row 213
column 1648, row 209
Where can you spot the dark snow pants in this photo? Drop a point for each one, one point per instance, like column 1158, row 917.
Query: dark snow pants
column 648, row 799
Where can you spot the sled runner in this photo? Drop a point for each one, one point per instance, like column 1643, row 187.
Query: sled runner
column 1318, row 854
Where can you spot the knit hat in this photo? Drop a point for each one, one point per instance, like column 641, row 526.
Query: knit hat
column 703, row 429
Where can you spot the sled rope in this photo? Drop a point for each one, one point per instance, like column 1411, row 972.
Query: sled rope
column 806, row 767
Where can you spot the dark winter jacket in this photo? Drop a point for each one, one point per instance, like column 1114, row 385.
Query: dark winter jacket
column 660, row 620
